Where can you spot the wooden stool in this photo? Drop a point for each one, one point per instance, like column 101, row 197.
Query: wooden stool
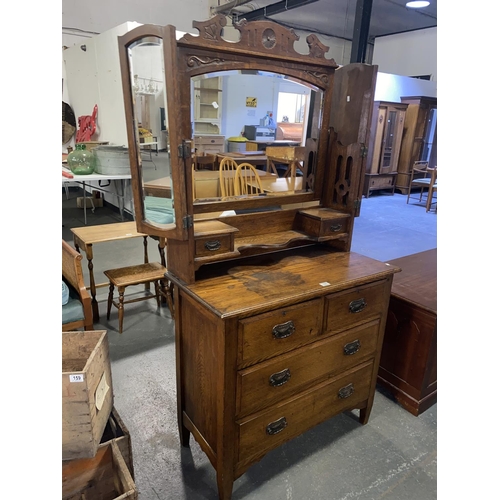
column 122, row 277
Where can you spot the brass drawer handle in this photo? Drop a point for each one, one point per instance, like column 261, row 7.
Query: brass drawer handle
column 346, row 391
column 357, row 306
column 280, row 378
column 212, row 246
column 335, row 227
column 283, row 330
column 352, row 348
column 277, row 426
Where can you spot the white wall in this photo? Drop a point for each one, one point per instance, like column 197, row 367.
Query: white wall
column 235, row 114
column 93, row 77
column 408, row 54
column 393, row 87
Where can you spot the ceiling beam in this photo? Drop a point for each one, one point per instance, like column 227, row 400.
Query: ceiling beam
column 273, row 9
column 227, row 7
column 361, row 30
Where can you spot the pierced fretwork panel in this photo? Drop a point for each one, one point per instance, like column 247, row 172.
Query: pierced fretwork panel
column 347, row 161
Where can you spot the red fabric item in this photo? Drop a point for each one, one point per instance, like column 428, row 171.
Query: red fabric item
column 87, row 127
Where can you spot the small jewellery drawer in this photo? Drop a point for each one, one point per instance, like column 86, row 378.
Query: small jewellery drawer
column 213, row 245
column 322, row 222
column 213, row 237
column 270, row 381
column 266, row 335
column 355, row 305
column 266, row 430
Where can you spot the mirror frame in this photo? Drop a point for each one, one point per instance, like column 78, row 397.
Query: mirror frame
column 264, row 46
column 177, row 229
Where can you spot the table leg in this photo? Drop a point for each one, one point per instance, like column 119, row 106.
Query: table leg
column 121, row 198
column 95, row 305
column 84, row 203
column 147, row 286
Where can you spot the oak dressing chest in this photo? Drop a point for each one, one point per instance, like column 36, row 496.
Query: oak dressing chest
column 278, row 325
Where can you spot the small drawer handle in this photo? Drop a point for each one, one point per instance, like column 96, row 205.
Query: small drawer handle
column 280, row 378
column 352, row 348
column 346, row 391
column 283, row 330
column 335, row 228
column 277, row 426
column 212, row 246
column 357, row 306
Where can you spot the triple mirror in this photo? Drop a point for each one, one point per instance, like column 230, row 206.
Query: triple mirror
column 237, row 103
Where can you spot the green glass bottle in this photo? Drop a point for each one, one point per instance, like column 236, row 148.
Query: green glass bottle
column 81, row 161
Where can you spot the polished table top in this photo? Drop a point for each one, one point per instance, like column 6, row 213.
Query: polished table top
column 417, row 281
column 280, row 184
column 162, row 187
column 106, row 232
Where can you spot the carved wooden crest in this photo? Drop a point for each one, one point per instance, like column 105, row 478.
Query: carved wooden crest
column 260, row 37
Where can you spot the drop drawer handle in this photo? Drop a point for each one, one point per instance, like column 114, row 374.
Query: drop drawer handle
column 346, row 391
column 212, row 245
column 283, row 330
column 352, row 348
column 277, row 426
column 357, row 306
column 335, row 228
column 280, row 378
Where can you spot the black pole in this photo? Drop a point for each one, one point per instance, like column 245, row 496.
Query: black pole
column 360, row 32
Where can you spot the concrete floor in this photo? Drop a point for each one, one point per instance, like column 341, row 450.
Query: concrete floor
column 393, row 457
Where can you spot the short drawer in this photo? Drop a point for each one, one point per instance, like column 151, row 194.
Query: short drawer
column 266, row 335
column 271, row 381
column 267, row 430
column 321, row 223
column 345, row 309
column 213, row 245
column 213, row 237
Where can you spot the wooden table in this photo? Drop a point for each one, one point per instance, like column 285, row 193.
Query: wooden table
column 85, row 237
column 408, row 365
column 207, row 184
column 280, row 185
column 84, row 179
column 253, row 157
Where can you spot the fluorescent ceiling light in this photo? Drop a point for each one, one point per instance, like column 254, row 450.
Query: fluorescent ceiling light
column 418, row 4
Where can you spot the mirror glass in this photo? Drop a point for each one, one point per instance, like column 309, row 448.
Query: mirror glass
column 147, row 74
column 251, row 117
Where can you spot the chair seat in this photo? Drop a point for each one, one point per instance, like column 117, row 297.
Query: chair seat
column 136, row 275
column 425, row 182
column 72, row 311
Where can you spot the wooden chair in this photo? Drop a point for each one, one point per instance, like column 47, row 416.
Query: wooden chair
column 205, row 161
column 77, row 313
column 421, row 176
column 121, row 278
column 227, row 175
column 247, row 180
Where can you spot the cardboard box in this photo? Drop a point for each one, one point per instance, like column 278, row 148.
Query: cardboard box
column 97, row 202
column 104, row 477
column 87, row 392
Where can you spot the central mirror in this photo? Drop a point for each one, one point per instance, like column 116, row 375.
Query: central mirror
column 255, row 134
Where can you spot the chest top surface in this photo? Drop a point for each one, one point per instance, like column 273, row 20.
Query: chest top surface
column 276, row 279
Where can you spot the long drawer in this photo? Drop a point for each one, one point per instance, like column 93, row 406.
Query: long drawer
column 281, row 377
column 355, row 306
column 266, row 335
column 268, row 429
